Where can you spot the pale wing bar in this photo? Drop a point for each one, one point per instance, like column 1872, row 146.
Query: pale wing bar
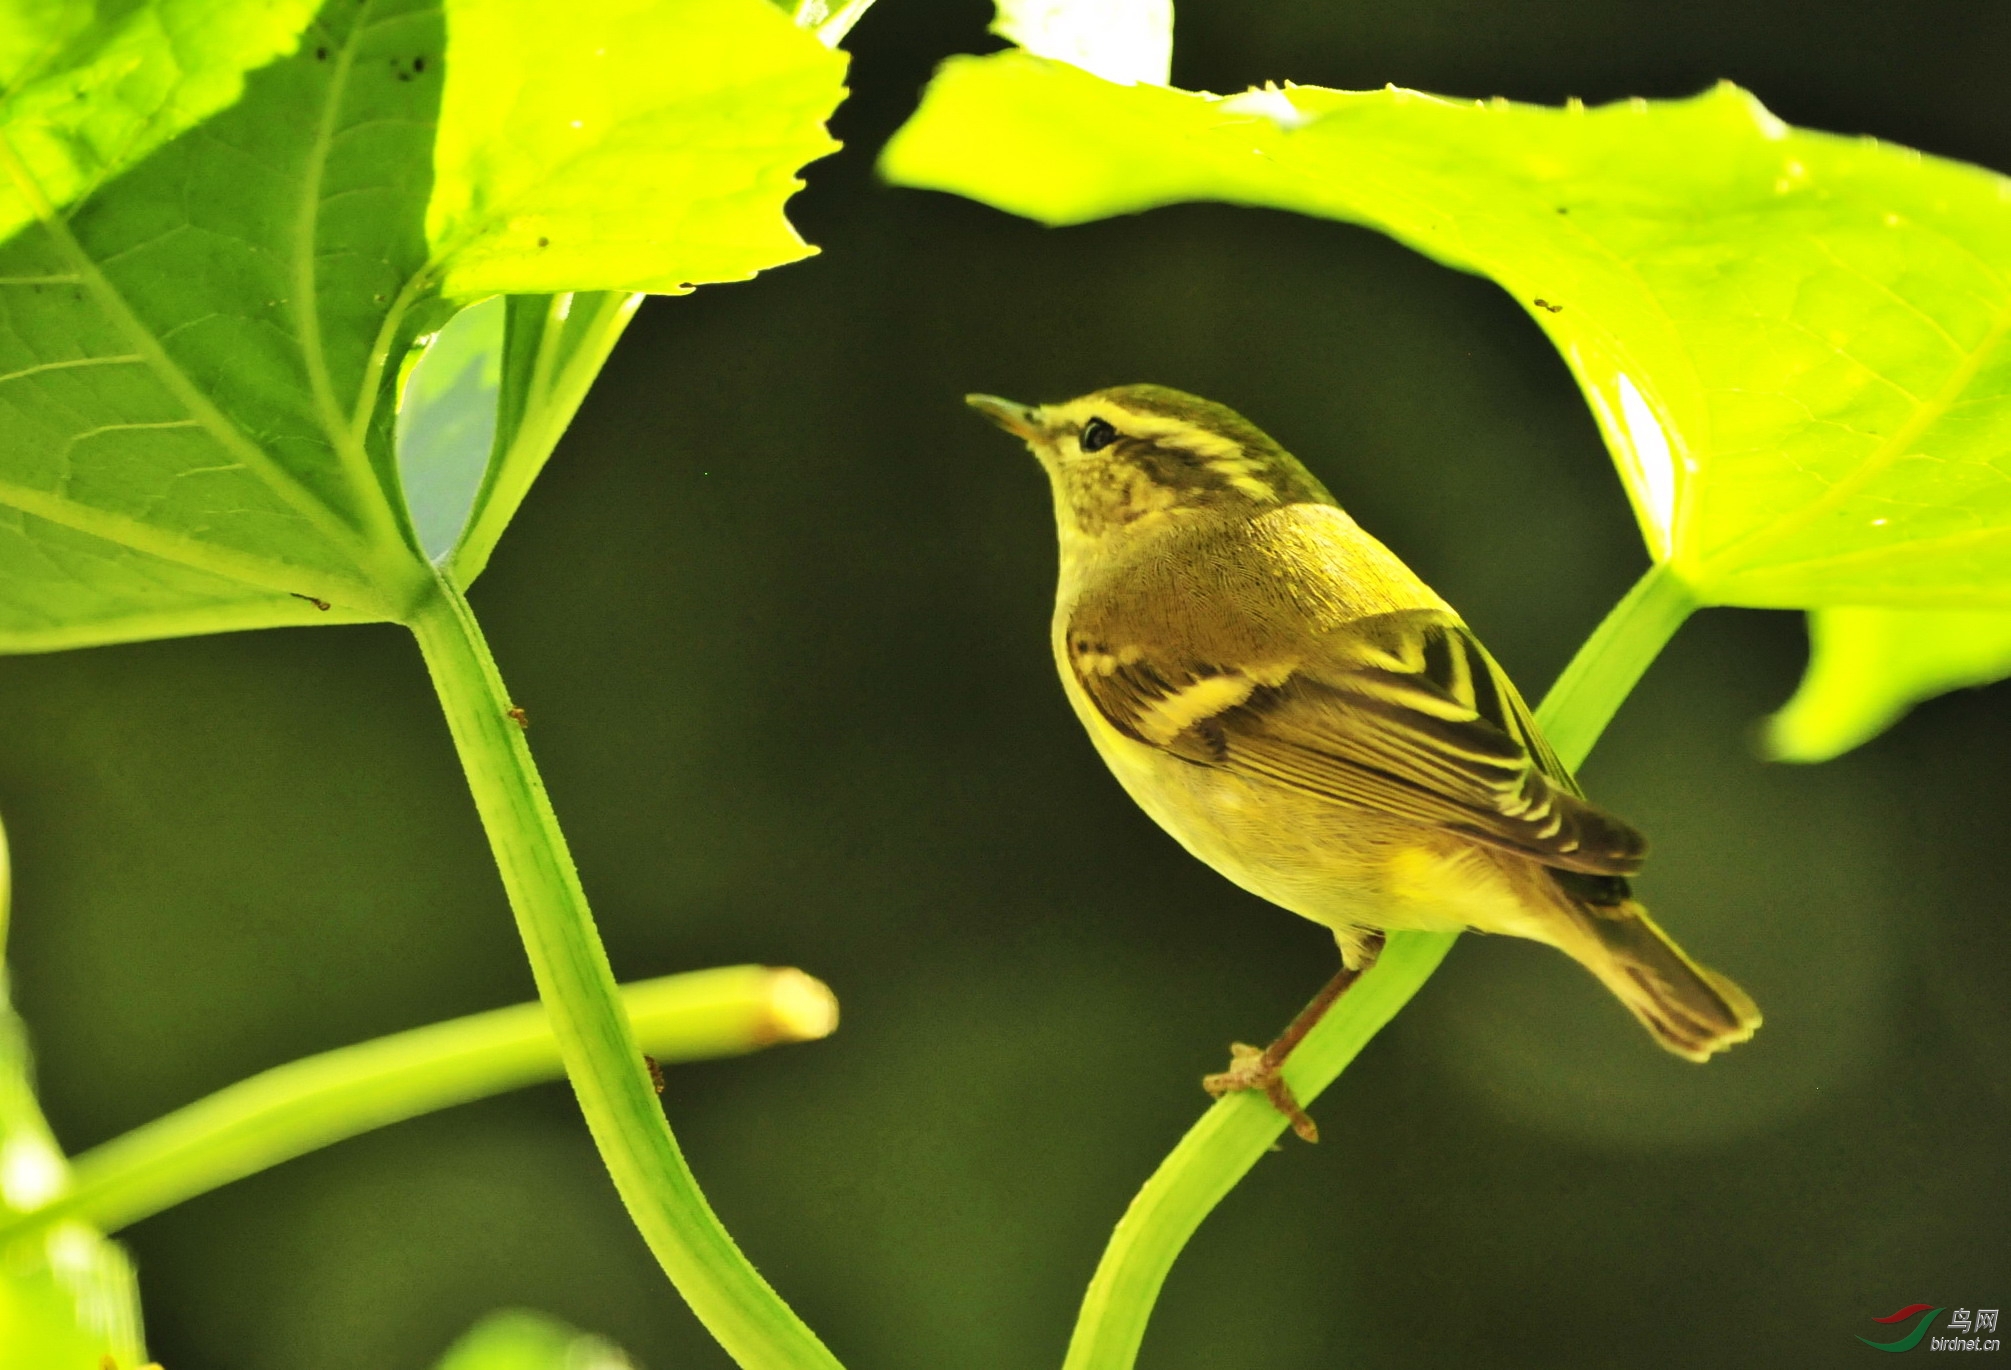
column 1403, row 712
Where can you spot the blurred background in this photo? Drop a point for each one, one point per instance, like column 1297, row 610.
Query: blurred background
column 778, row 611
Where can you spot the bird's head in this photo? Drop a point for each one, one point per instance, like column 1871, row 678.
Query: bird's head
column 1130, row 458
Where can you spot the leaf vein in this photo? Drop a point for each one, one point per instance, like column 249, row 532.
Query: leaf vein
column 1757, row 541
column 70, row 364
column 1885, row 288
column 276, row 478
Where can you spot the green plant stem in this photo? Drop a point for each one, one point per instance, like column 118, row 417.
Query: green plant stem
column 554, row 350
column 1234, row 1134
column 31, row 1164
column 32, row 1168
column 1606, row 669
column 308, row 1104
column 578, row 990
column 99, row 1295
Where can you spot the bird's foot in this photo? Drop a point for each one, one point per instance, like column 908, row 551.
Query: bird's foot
column 1252, row 1068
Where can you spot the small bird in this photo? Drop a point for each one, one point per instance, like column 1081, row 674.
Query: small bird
column 1301, row 712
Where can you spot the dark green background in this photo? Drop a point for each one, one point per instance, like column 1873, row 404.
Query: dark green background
column 778, row 612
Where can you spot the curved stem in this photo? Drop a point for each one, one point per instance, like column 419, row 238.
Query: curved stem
column 1606, row 669
column 32, row 1168
column 1230, row 1137
column 304, row 1105
column 96, row 1280
column 571, row 969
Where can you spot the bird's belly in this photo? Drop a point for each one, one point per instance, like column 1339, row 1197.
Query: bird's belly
column 1338, row 865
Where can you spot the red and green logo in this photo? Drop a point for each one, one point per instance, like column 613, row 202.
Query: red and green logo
column 1911, row 1339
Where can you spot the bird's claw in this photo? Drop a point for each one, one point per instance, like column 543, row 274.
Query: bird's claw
column 1250, row 1068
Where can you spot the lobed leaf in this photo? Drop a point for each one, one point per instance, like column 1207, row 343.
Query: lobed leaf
column 567, row 161
column 189, row 359
column 91, row 89
column 204, row 305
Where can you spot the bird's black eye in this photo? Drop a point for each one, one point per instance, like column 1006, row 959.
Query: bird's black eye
column 1097, row 435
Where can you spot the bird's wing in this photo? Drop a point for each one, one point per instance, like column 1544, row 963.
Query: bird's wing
column 1404, row 712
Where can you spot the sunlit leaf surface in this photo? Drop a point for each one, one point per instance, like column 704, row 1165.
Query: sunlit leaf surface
column 204, row 304
column 183, row 354
column 1794, row 342
column 568, row 162
column 91, row 89
column 1868, row 666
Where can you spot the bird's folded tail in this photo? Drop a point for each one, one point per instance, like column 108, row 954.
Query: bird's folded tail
column 1691, row 1009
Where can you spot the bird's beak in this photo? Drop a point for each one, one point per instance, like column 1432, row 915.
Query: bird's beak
column 1017, row 419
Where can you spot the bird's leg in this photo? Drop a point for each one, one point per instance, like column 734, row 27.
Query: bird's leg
column 1250, row 1068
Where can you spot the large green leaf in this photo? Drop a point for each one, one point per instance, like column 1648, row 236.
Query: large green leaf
column 91, row 89
column 185, row 355
column 1795, row 343
column 198, row 355
column 568, row 162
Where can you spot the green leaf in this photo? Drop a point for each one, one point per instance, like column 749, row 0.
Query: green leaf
column 568, row 162
column 516, row 1339
column 91, row 89
column 61, row 588
column 192, row 357
column 202, row 327
column 1868, row 666
column 1794, row 342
